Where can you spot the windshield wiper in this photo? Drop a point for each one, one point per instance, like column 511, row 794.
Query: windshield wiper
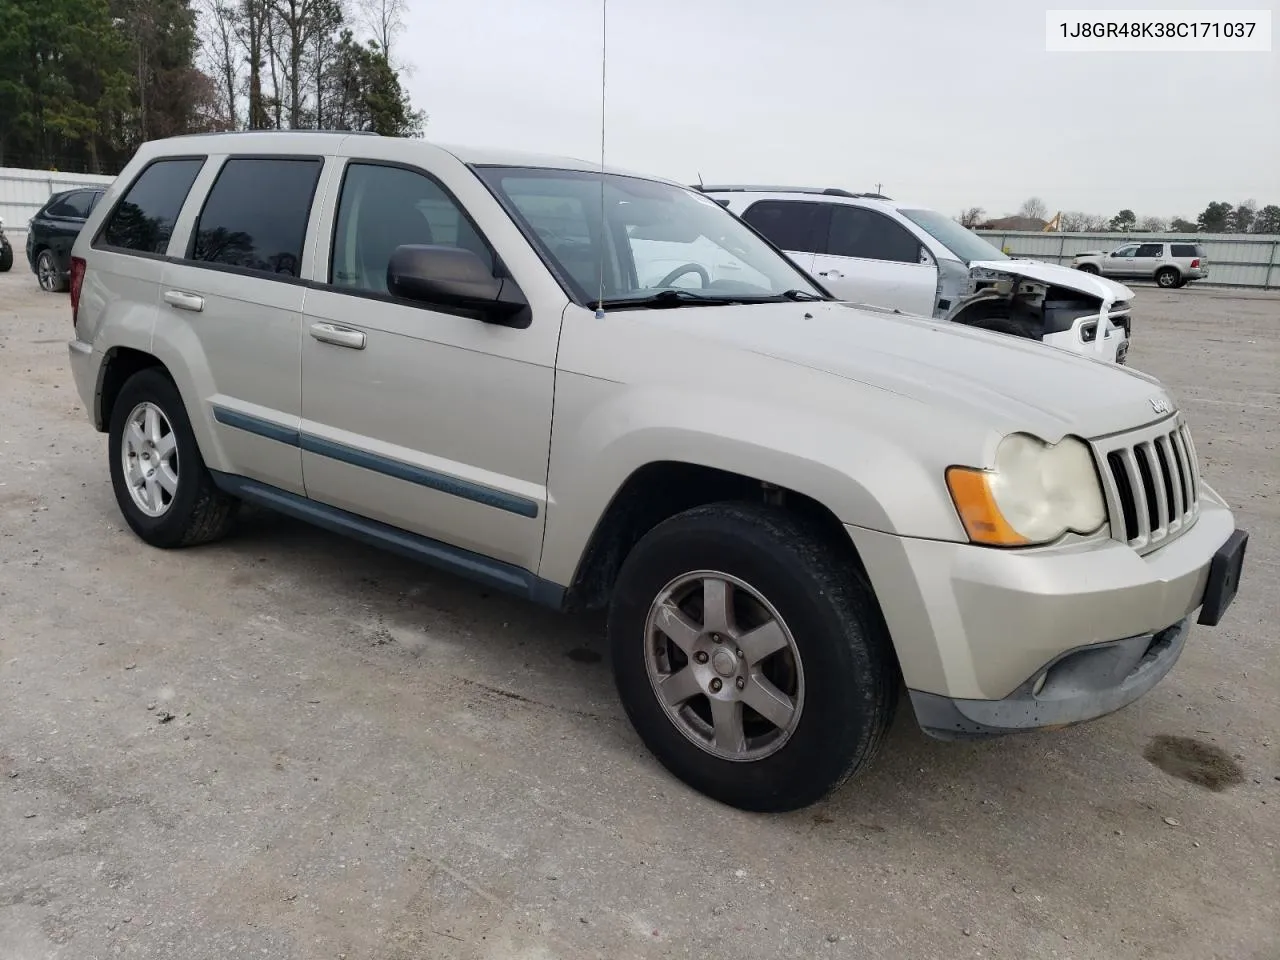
column 665, row 298
column 803, row 295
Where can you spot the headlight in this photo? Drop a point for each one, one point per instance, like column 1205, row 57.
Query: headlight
column 1035, row 493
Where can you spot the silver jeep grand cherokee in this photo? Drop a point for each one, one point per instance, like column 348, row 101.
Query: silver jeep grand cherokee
column 790, row 507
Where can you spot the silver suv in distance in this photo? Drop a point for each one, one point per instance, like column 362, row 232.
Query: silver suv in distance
column 790, row 507
column 1170, row 264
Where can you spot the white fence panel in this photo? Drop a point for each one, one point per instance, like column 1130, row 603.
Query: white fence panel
column 1235, row 260
column 23, row 192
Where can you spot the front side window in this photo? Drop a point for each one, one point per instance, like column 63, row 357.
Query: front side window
column 256, row 215
column 1126, row 251
column 963, row 243
column 792, row 225
column 73, row 206
column 143, row 220
column 1150, row 250
column 640, row 241
column 382, row 208
column 867, row 235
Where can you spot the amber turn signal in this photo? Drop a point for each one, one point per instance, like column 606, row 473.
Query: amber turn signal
column 977, row 508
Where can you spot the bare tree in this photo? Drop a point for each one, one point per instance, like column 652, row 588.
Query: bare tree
column 971, row 217
column 1153, row 224
column 220, row 41
column 384, row 21
column 1034, row 208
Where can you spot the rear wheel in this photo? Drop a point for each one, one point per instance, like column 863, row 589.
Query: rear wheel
column 160, row 480
column 47, row 272
column 1168, row 278
column 751, row 656
column 6, row 258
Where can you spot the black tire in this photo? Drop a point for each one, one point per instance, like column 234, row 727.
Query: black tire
column 199, row 512
column 52, row 280
column 6, row 258
column 998, row 324
column 851, row 677
column 1168, row 278
column 1088, row 268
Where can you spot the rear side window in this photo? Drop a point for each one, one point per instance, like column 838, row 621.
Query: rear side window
column 255, row 217
column 789, row 224
column 143, row 220
column 1150, row 250
column 382, row 208
column 74, row 206
column 1186, row 250
column 867, row 235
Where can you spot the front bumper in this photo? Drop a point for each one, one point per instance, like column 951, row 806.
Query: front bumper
column 975, row 628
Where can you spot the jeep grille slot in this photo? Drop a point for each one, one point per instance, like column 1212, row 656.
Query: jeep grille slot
column 1151, row 484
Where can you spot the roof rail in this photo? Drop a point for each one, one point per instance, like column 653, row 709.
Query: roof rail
column 767, row 188
column 230, row 133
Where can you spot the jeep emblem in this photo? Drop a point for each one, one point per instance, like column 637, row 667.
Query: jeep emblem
column 1161, row 405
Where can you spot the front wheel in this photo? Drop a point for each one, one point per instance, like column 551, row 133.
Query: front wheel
column 1088, row 268
column 751, row 655
column 160, row 480
column 6, row 258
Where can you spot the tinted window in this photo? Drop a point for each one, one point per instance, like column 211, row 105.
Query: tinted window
column 256, row 215
column 1150, row 250
column 1186, row 250
column 789, row 224
column 856, row 232
column 382, row 208
column 72, row 205
column 144, row 219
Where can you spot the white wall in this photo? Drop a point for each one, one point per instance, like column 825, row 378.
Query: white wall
column 23, row 192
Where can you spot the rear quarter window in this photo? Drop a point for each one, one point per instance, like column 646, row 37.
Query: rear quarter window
column 143, row 219
column 1186, row 250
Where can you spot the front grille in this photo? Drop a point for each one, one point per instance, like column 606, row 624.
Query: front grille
column 1151, row 482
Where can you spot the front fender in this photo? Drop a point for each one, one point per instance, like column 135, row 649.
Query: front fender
column 604, row 432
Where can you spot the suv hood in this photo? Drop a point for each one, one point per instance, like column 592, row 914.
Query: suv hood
column 1059, row 276
column 1003, row 382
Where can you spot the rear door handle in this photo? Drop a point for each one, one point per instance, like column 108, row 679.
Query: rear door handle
column 184, row 301
column 338, row 336
column 833, row 274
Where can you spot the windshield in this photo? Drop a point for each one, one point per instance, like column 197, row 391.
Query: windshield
column 961, row 241
column 656, row 238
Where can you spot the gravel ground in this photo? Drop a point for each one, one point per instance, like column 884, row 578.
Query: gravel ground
column 290, row 746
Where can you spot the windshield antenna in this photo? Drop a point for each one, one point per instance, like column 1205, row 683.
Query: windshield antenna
column 604, row 60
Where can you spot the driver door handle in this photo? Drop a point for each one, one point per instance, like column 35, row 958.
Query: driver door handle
column 338, row 336
column 833, row 274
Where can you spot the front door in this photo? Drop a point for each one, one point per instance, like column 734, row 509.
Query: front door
column 870, row 259
column 430, row 421
column 1120, row 263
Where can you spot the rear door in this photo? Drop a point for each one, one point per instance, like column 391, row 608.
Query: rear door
column 235, row 296
column 797, row 227
column 65, row 217
column 1147, row 259
column 870, row 258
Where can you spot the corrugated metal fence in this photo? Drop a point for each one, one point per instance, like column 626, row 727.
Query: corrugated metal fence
column 23, row 192
column 1235, row 259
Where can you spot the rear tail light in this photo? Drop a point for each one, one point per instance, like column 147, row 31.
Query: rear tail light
column 1195, row 263
column 77, row 281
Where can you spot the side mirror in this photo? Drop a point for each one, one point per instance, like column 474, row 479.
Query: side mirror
column 453, row 277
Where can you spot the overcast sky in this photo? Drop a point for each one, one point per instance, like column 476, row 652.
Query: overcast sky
column 948, row 103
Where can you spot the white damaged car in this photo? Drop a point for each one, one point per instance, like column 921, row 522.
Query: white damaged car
column 868, row 249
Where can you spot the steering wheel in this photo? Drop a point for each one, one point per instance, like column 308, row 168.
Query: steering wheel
column 680, row 271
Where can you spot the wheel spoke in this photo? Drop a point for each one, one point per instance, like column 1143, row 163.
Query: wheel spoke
column 165, row 445
column 678, row 687
column 682, row 631
column 726, row 718
column 137, row 439
column 152, row 427
column 167, row 479
column 768, row 701
column 762, row 641
column 717, row 605
column 154, row 500
column 134, row 475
